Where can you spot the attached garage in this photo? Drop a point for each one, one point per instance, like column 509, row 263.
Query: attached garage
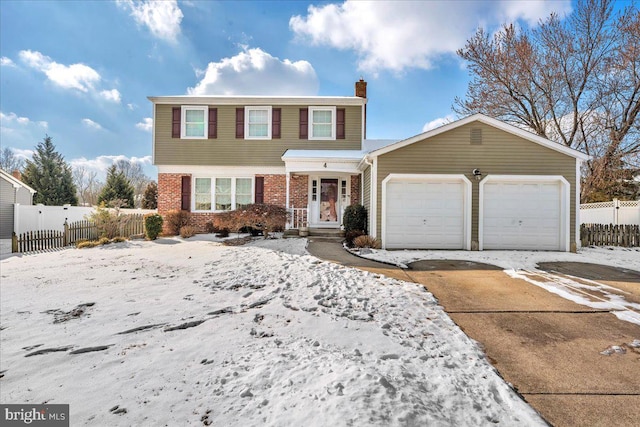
column 426, row 211
column 477, row 183
column 524, row 212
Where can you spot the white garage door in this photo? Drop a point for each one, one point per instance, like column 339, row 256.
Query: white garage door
column 522, row 215
column 425, row 214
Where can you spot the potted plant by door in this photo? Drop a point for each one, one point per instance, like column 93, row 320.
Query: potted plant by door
column 304, row 230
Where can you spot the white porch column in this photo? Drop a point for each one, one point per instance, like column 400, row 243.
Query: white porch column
column 290, row 222
column 288, row 178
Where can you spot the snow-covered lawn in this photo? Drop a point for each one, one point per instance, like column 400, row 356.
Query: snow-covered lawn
column 523, row 265
column 195, row 333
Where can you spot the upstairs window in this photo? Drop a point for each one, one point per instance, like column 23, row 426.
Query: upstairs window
column 257, row 124
column 194, row 122
column 322, row 123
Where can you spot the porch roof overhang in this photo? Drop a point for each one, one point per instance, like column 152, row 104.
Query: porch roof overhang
column 340, row 161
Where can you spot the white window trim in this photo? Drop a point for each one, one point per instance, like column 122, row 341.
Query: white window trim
column 213, row 192
column 333, row 123
column 246, row 121
column 183, row 121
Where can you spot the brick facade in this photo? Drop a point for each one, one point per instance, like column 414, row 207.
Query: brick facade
column 170, row 194
column 299, row 191
column 275, row 190
column 355, row 189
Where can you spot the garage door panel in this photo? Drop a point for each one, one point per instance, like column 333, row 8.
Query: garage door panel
column 522, row 215
column 425, row 214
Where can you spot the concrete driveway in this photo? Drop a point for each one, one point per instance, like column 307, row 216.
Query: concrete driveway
column 575, row 365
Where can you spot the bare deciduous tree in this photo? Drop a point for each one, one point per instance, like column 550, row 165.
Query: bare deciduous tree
column 9, row 162
column 88, row 186
column 575, row 81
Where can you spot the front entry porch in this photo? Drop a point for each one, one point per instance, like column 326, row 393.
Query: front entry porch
column 320, row 185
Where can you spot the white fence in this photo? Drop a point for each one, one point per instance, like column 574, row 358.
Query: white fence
column 41, row 217
column 616, row 212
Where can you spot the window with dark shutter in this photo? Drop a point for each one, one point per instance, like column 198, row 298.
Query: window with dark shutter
column 259, row 189
column 240, row 123
column 340, row 128
column 175, row 122
column 186, row 193
column 213, row 123
column 304, row 123
column 275, row 123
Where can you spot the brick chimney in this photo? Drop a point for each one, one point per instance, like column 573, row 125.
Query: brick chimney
column 361, row 91
column 16, row 174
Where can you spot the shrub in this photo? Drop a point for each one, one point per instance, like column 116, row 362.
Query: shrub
column 352, row 234
column 355, row 218
column 104, row 241
column 118, row 239
column 187, row 231
column 153, row 225
column 177, row 219
column 223, row 233
column 366, row 241
column 257, row 217
column 209, row 227
column 108, row 222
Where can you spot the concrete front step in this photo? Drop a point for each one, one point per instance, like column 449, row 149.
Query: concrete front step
column 326, row 232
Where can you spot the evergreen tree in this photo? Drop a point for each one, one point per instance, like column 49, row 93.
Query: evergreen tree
column 150, row 198
column 117, row 187
column 50, row 176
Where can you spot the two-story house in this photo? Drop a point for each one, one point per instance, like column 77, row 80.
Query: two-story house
column 476, row 183
column 217, row 153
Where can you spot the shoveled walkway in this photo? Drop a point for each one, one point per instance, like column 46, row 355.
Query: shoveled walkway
column 549, row 348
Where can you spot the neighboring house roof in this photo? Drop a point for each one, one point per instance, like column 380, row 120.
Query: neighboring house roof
column 257, row 100
column 15, row 182
column 488, row 121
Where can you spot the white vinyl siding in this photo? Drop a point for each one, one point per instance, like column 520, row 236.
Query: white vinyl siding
column 194, row 122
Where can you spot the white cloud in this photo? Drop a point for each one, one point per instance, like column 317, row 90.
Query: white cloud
column 14, row 118
column 91, row 124
column 409, row 34
column 22, row 153
column 131, row 106
column 256, row 72
column 162, row 18
column 436, row 123
column 75, row 76
column 100, row 164
column 146, row 124
column 111, row 95
column 7, row 62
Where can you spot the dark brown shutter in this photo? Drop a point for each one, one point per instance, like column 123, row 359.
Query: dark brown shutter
column 259, row 189
column 175, row 122
column 304, row 123
column 340, row 131
column 213, row 123
column 275, row 123
column 239, row 122
column 186, row 193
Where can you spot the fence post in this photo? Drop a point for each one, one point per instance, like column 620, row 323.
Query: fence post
column 65, row 242
column 14, row 242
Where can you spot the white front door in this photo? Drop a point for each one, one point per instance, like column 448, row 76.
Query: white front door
column 328, row 197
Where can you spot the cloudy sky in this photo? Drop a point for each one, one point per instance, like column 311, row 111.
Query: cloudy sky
column 81, row 71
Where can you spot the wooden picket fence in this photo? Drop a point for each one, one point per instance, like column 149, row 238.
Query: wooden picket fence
column 45, row 240
column 610, row 235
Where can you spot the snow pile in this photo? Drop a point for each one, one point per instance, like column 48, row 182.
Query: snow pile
column 193, row 333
